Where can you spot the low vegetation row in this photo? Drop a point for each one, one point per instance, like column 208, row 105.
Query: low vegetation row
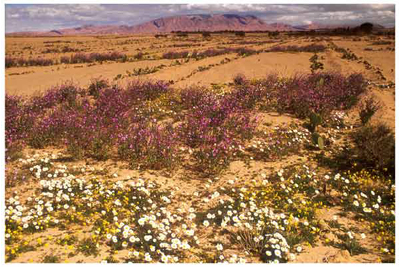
column 122, row 57
column 133, row 123
column 72, row 59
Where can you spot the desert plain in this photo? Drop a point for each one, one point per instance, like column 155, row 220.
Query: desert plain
column 212, row 148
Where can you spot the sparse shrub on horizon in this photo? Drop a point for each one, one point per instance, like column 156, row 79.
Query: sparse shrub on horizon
column 175, row 55
column 243, row 51
column 139, row 56
column 73, row 59
column 22, row 62
column 206, row 34
column 382, row 42
column 211, row 52
column 94, row 57
column 313, row 48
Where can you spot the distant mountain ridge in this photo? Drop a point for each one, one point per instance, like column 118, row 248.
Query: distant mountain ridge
column 200, row 22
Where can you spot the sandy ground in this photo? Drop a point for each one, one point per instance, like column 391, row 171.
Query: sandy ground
column 255, row 66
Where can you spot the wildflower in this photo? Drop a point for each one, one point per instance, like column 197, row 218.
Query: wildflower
column 367, row 210
column 219, row 247
column 164, row 258
column 147, row 257
column 350, row 234
column 206, row 223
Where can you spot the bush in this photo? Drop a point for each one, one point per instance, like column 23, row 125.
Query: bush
column 313, row 48
column 97, row 85
column 143, row 91
column 175, row 55
column 320, row 92
column 315, row 64
column 20, row 62
column 194, row 96
column 93, row 57
column 19, row 120
column 64, row 93
column 242, row 51
column 206, row 34
column 368, row 109
column 375, row 146
column 149, row 145
column 239, row 79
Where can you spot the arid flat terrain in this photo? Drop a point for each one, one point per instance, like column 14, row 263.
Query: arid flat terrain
column 252, row 148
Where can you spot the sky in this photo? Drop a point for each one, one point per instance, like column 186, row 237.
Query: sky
column 36, row 17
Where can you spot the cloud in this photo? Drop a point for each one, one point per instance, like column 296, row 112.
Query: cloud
column 48, row 17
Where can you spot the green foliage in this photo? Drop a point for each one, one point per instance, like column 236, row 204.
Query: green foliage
column 88, row 247
column 318, row 140
column 321, row 143
column 350, row 244
column 51, row 259
column 315, row 64
column 315, row 120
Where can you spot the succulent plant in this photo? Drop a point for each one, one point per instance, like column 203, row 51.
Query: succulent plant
column 318, row 141
column 315, row 120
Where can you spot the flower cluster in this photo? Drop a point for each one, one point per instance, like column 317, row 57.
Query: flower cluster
column 132, row 215
column 280, row 141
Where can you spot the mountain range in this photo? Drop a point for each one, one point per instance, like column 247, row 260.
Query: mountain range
column 185, row 23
